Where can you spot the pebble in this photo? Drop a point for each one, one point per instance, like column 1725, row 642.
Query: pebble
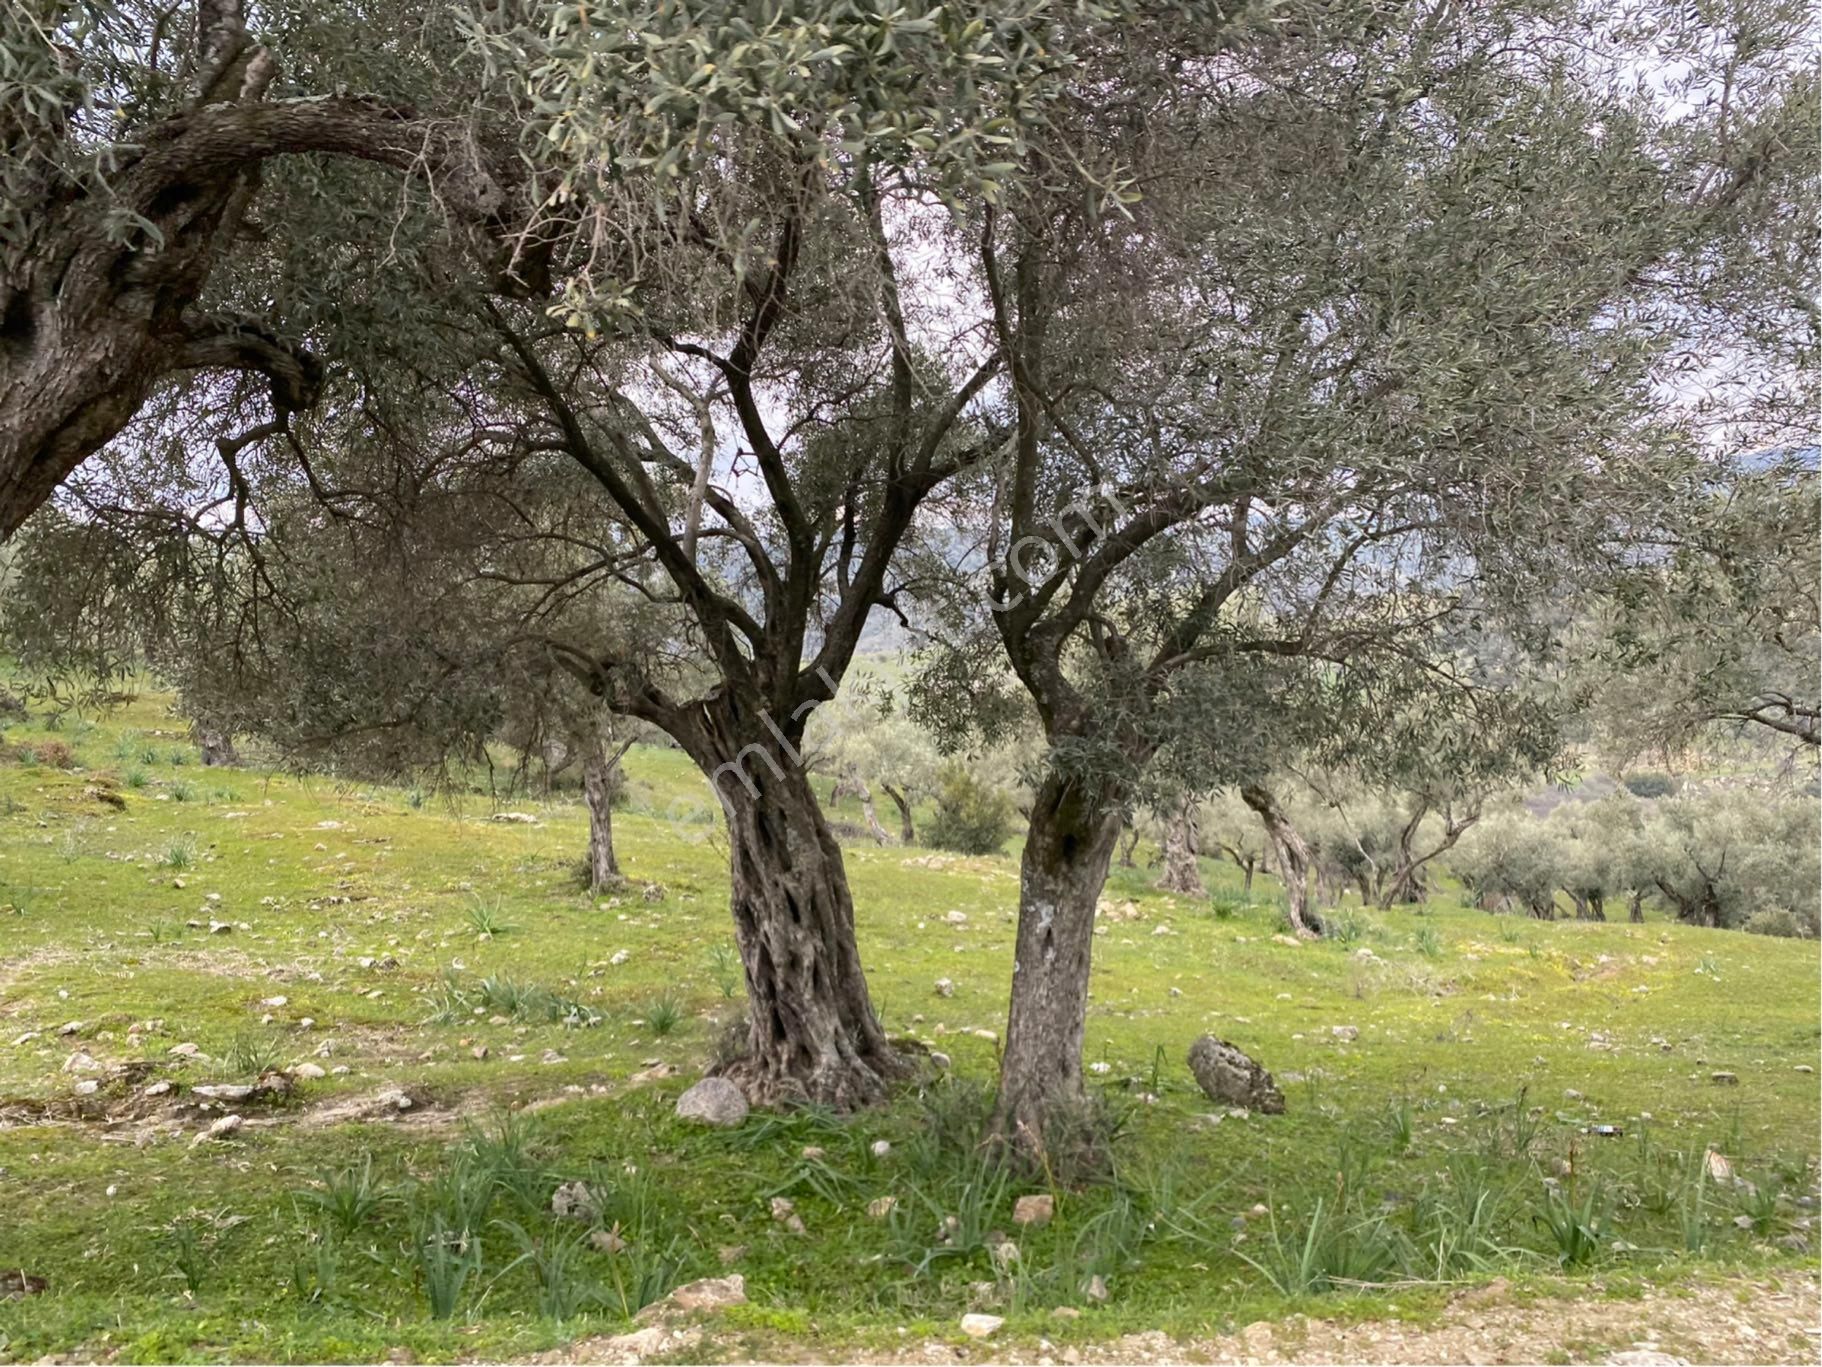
column 981, row 1326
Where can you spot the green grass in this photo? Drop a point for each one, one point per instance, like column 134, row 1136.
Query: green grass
column 413, row 936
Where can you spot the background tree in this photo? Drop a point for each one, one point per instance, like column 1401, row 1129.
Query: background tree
column 1232, row 831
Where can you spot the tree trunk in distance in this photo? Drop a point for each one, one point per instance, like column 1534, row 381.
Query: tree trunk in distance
column 600, row 780
column 907, row 832
column 1129, row 842
column 1182, row 873
column 1292, row 854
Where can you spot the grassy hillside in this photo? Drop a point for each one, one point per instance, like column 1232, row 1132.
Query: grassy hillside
column 1444, row 1070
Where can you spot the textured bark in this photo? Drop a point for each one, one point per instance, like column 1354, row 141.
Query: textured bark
column 1635, row 907
column 1067, row 851
column 906, row 830
column 1182, row 845
column 600, row 784
column 812, row 1033
column 1292, row 855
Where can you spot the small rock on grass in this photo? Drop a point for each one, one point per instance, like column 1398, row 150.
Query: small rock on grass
column 713, row 1101
column 981, row 1326
column 1226, row 1074
column 573, row 1201
column 1034, row 1210
column 710, row 1293
column 221, row 1129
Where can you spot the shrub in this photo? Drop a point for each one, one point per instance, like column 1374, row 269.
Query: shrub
column 1650, row 784
column 971, row 817
column 1774, row 921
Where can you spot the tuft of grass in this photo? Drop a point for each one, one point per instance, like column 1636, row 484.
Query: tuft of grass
column 252, row 1053
column 663, row 1015
column 179, row 854
column 1427, row 941
column 348, row 1199
column 724, row 964
column 1399, row 1128
column 1325, row 1248
column 188, row 1249
column 487, row 919
column 1576, row 1228
column 1345, row 926
column 447, row 1259
column 182, row 790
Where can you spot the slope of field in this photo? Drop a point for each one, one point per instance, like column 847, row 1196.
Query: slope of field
column 463, row 1030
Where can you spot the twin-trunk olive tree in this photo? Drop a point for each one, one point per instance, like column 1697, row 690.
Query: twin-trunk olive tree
column 1372, row 345
column 1380, row 349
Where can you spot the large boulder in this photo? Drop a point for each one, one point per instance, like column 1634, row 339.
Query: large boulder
column 1227, row 1075
column 713, row 1101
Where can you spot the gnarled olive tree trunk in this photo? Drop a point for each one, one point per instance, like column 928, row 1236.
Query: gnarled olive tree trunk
column 1067, row 851
column 812, row 1033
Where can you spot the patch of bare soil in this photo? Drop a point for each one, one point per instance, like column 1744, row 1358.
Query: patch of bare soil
column 1761, row 1320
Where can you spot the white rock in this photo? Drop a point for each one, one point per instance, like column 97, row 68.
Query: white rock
column 981, row 1326
column 309, row 1071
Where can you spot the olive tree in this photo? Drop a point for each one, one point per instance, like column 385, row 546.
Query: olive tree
column 1378, row 344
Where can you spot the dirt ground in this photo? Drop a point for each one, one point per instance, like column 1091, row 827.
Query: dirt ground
column 1773, row 1320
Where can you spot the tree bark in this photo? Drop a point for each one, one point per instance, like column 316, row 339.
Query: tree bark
column 1635, row 907
column 1292, row 854
column 812, row 1034
column 907, row 831
column 1182, row 872
column 600, row 784
column 1068, row 848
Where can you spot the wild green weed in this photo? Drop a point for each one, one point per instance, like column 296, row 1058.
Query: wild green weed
column 560, row 1267
column 663, row 1015
column 348, row 1199
column 487, row 918
column 1576, row 1227
column 447, row 1259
